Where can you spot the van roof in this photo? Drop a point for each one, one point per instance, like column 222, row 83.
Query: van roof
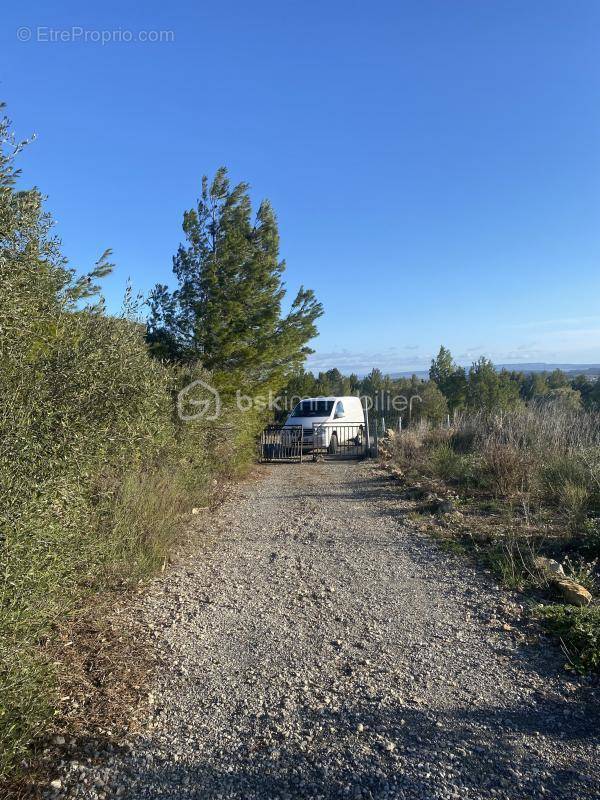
column 332, row 397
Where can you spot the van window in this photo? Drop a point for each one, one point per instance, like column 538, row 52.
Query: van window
column 339, row 410
column 313, row 408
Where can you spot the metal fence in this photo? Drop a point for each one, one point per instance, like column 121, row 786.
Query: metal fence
column 338, row 440
column 323, row 440
column 281, row 444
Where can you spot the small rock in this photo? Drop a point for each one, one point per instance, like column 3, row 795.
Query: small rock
column 548, row 565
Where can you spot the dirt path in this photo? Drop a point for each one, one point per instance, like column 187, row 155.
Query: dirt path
column 320, row 647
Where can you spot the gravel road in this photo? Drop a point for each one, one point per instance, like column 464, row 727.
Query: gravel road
column 319, row 646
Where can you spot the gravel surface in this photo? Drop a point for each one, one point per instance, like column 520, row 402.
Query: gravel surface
column 319, row 646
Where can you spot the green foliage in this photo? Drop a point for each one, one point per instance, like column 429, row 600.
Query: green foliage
column 431, row 406
column 483, row 389
column 582, row 571
column 449, row 465
column 510, row 560
column 557, row 380
column 579, row 632
column 535, row 385
column 490, row 390
column 564, row 397
column 442, row 367
column 587, row 540
column 487, row 389
column 568, row 480
column 97, row 473
column 449, row 378
column 226, row 311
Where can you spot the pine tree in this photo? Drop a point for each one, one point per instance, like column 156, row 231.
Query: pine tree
column 450, row 379
column 226, row 311
column 490, row 390
column 442, row 367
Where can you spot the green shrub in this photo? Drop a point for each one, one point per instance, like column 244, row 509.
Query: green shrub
column 449, row 465
column 463, row 437
column 97, row 473
column 579, row 632
column 587, row 540
column 26, row 699
column 563, row 478
column 510, row 556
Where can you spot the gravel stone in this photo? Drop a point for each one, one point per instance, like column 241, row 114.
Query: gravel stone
column 316, row 611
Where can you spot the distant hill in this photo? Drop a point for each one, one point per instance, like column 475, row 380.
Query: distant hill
column 571, row 369
column 591, row 370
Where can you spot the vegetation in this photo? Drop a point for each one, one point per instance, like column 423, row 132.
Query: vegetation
column 579, row 631
column 450, row 390
column 227, row 309
column 519, row 454
column 525, row 482
column 98, row 474
column 486, row 388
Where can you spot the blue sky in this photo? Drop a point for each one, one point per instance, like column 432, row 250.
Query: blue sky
column 434, row 164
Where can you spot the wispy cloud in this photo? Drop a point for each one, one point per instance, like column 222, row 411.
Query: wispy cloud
column 558, row 323
column 392, row 360
column 388, row 360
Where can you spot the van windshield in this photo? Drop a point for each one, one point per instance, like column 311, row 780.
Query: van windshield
column 313, row 408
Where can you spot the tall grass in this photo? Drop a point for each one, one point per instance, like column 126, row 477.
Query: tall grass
column 547, row 454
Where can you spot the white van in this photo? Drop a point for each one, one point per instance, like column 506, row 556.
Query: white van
column 329, row 422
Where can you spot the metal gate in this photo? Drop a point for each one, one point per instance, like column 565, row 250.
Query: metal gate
column 338, row 440
column 326, row 440
column 281, row 444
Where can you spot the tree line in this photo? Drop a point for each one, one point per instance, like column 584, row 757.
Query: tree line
column 451, row 388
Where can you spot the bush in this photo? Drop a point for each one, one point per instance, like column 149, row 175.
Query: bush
column 582, row 571
column 563, row 479
column 505, row 468
column 407, row 447
column 587, row 541
column 97, row 473
column 579, row 632
column 449, row 465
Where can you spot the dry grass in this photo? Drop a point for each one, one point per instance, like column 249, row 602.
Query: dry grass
column 550, row 456
column 101, row 660
column 526, row 482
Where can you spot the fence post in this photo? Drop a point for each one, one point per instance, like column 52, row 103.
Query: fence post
column 367, row 432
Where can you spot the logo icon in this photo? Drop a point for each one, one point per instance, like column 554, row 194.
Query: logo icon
column 200, row 396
